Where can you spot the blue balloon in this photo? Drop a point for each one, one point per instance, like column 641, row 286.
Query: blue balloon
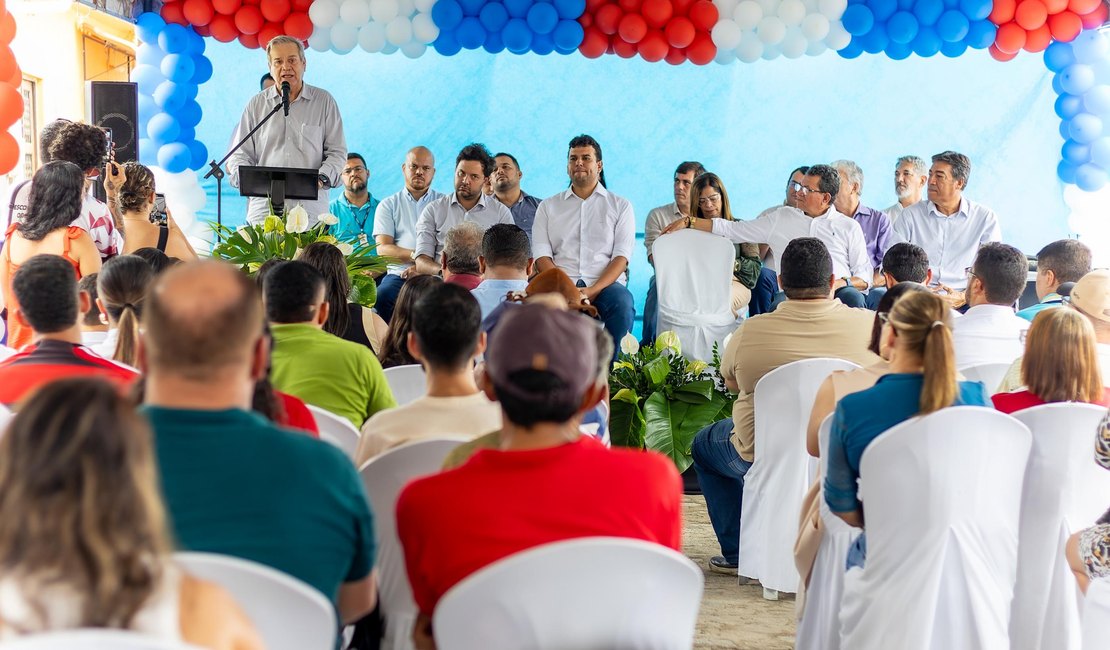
column 189, row 114
column 471, row 7
column 1076, row 153
column 565, row 50
column 542, row 18
column 852, row 50
column 191, row 91
column 174, row 157
column 446, row 14
column 1085, row 128
column 1097, row 101
column 517, row 36
column 905, row 5
column 148, row 77
column 976, row 9
column 446, row 43
column 148, row 153
column 570, row 9
column 202, row 70
column 470, row 33
column 147, row 108
column 951, row 4
column 494, row 44
column 188, row 134
column 902, row 27
column 928, row 12
column 196, row 43
column 198, row 155
column 876, row 40
column 543, row 44
column 858, row 20
column 1064, row 130
column 1065, row 171
column 1068, row 106
column 883, row 9
column 493, row 17
column 1091, row 178
column 149, row 25
column 1058, row 56
column 170, row 96
column 174, row 39
column 1100, row 152
column 518, row 8
column 981, row 34
column 898, row 51
column 163, row 128
column 149, row 53
column 952, row 27
column 568, row 35
column 953, row 50
column 1056, row 87
column 927, row 42
column 178, row 68
column 1077, row 78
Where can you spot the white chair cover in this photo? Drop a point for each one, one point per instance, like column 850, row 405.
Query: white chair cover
column 585, row 594
column 693, row 276
column 777, row 482
column 819, row 628
column 1096, row 615
column 5, row 417
column 336, row 430
column 94, row 639
column 406, row 382
column 288, row 614
column 941, row 497
column 991, row 374
column 1065, row 491
column 383, row 477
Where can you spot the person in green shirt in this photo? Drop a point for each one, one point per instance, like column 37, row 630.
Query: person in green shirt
column 322, row 369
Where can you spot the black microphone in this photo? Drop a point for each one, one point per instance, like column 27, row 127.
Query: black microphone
column 285, row 97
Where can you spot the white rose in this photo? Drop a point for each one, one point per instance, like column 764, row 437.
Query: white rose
column 629, row 344
column 345, row 248
column 297, row 219
column 329, row 219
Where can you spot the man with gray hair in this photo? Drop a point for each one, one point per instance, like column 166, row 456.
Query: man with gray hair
column 910, row 175
column 309, row 135
column 949, row 226
column 877, row 231
column 461, row 250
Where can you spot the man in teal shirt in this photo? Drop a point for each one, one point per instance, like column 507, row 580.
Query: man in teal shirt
column 356, row 206
column 233, row 482
column 1065, row 260
column 322, row 369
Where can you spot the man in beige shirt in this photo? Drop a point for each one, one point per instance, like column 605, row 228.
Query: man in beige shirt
column 810, row 324
column 446, row 337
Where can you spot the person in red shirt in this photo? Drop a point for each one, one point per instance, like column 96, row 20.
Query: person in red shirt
column 1061, row 364
column 546, row 482
column 50, row 304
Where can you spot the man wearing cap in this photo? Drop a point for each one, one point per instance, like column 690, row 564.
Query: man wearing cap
column 552, row 483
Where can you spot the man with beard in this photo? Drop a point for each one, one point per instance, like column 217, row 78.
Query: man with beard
column 473, row 166
column 506, row 187
column 910, row 175
column 355, row 208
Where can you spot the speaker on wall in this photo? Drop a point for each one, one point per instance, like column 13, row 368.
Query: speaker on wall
column 115, row 105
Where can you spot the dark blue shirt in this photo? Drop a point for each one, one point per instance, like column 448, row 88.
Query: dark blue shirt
column 524, row 212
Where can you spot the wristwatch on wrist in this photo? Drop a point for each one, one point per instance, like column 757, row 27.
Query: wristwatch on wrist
column 412, row 256
column 690, row 222
column 324, row 180
column 847, row 282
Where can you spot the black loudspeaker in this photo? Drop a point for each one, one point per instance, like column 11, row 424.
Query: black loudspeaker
column 115, row 105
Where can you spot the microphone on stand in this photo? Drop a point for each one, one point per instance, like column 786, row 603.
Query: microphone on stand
column 285, row 97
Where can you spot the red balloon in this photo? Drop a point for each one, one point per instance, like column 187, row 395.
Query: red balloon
column 1003, row 11
column 586, row 21
column 1030, row 14
column 269, row 32
column 253, row 3
column 173, row 12
column 223, row 28
column 1096, row 17
column 594, row 43
column 227, row 7
column 302, row 6
column 999, row 55
column 1065, row 26
column 1055, row 6
column 681, row 7
column 202, row 30
column 702, row 50
column 8, row 65
column 653, row 46
column 197, row 12
column 298, row 25
column 656, row 12
column 609, row 19
column 17, row 77
column 1037, row 40
column 275, row 11
column 249, row 41
column 1010, row 38
column 624, row 49
column 675, row 57
column 7, row 27
column 11, row 105
column 593, row 6
column 680, row 32
column 631, row 6
column 9, row 152
column 1083, row 7
column 632, row 28
column 248, row 20
column 703, row 14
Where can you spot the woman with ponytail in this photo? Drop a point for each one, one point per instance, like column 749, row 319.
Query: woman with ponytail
column 121, row 286
column 922, row 379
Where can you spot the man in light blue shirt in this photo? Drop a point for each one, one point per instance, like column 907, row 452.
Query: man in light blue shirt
column 1065, row 260
column 395, row 224
column 505, row 263
column 355, row 207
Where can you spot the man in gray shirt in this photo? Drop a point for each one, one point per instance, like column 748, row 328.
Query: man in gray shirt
column 310, row 137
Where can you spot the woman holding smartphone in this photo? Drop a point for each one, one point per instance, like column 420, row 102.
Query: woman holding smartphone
column 147, row 223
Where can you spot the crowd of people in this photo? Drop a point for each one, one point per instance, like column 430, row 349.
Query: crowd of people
column 163, row 401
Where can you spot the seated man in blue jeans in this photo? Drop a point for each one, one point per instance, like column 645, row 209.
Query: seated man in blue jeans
column 808, row 325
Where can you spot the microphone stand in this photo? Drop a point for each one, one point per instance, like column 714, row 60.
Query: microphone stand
column 216, row 168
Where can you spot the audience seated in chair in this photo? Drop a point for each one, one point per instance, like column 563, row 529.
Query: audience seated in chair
column 347, row 320
column 1088, row 551
column 990, row 331
column 85, row 542
column 121, row 291
column 233, row 482
column 461, row 250
column 709, row 200
column 552, row 483
column 395, row 348
column 878, row 231
column 903, row 262
column 1065, row 260
column 505, row 263
column 94, row 326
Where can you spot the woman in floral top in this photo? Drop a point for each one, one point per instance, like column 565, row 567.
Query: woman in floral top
column 1088, row 550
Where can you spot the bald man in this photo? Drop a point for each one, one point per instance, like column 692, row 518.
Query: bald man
column 395, row 224
column 234, row 483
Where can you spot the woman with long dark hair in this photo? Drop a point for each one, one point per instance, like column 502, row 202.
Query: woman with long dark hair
column 395, row 349
column 347, row 320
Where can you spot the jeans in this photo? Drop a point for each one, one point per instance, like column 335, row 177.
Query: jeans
column 874, row 297
column 616, row 310
column 764, row 292
column 850, row 296
column 721, row 473
column 651, row 312
column 387, row 295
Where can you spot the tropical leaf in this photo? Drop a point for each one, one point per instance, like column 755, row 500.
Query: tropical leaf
column 657, row 370
column 702, row 388
column 626, row 421
column 664, row 433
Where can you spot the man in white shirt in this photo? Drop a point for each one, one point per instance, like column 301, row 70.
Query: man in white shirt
column 948, row 226
column 588, row 232
column 473, row 166
column 990, row 331
column 505, row 263
column 395, row 224
column 658, row 219
column 817, row 218
column 910, row 175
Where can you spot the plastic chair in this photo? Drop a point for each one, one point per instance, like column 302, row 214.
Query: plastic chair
column 336, row 430
column 1096, row 615
column 6, row 416
column 693, row 274
column 288, row 614
column 777, row 482
column 383, row 477
column 1065, row 491
column 819, row 628
column 407, row 383
column 94, row 639
column 942, row 499
column 991, row 374
column 594, row 592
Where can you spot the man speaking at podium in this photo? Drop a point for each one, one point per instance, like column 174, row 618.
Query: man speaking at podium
column 308, row 134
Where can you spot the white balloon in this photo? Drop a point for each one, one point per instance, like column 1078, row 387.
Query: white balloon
column 424, row 6
column 815, row 27
column 726, row 35
column 725, row 57
column 770, row 7
column 389, row 49
column 354, row 12
column 399, row 31
column 405, row 8
column 1090, row 46
column 320, row 39
column 748, row 14
column 344, row 37
column 792, row 12
column 372, row 37
column 414, row 49
column 771, row 30
column 833, row 9
column 794, row 44
column 323, row 13
column 750, row 49
column 838, row 37
column 816, row 48
column 771, row 52
column 424, row 30
column 726, row 7
column 383, row 11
